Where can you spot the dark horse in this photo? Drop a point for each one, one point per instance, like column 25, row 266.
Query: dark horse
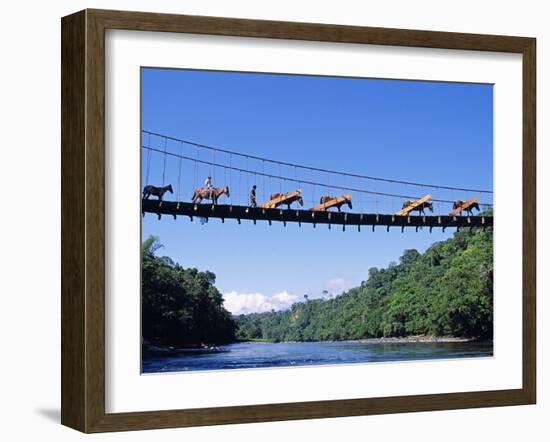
column 326, row 199
column 156, row 191
column 420, row 208
column 458, row 203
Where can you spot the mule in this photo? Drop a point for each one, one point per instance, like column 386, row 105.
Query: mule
column 420, row 208
column 297, row 198
column 326, row 199
column 458, row 203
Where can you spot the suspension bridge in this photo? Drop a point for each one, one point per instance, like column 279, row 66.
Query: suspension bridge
column 185, row 178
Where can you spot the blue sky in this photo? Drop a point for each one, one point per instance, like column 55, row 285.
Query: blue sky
column 431, row 132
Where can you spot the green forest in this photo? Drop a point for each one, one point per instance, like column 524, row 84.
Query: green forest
column 180, row 306
column 445, row 291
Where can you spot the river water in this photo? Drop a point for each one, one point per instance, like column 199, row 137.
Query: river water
column 262, row 355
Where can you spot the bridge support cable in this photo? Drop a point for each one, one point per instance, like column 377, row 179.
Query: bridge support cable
column 335, row 172
column 213, row 171
column 231, row 179
column 281, row 178
column 247, row 181
column 164, row 161
column 264, row 196
column 239, row 191
column 196, row 167
column 280, row 181
column 148, row 162
column 384, row 195
column 178, row 194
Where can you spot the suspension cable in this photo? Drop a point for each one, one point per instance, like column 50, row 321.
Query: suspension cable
column 280, row 177
column 179, row 175
column 148, row 162
column 164, row 162
column 318, row 169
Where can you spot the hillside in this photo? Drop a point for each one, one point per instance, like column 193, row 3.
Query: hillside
column 180, row 306
column 446, row 291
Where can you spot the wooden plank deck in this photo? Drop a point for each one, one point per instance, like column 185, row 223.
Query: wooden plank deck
column 407, row 210
column 345, row 219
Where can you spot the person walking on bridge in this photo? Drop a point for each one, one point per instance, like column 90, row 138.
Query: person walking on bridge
column 253, row 196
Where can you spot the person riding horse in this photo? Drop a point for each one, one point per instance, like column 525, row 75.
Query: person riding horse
column 209, row 194
column 208, row 183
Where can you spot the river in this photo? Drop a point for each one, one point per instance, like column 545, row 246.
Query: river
column 292, row 354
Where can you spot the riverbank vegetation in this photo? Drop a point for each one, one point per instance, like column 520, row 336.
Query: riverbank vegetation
column 180, row 306
column 445, row 291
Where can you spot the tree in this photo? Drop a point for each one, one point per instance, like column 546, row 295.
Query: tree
column 448, row 290
column 150, row 246
column 180, row 306
column 409, row 257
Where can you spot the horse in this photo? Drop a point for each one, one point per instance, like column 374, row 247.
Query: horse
column 326, row 199
column 209, row 194
column 156, row 191
column 297, row 198
column 458, row 203
column 420, row 208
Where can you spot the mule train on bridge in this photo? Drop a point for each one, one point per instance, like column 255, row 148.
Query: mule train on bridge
column 272, row 209
column 335, row 206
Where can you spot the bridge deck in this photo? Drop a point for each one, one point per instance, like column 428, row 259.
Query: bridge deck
column 305, row 216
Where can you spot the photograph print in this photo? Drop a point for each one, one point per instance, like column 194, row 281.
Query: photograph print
column 300, row 220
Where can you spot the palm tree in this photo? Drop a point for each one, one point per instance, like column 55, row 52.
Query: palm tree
column 150, row 246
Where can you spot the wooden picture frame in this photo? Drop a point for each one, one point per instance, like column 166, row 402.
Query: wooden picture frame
column 83, row 220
